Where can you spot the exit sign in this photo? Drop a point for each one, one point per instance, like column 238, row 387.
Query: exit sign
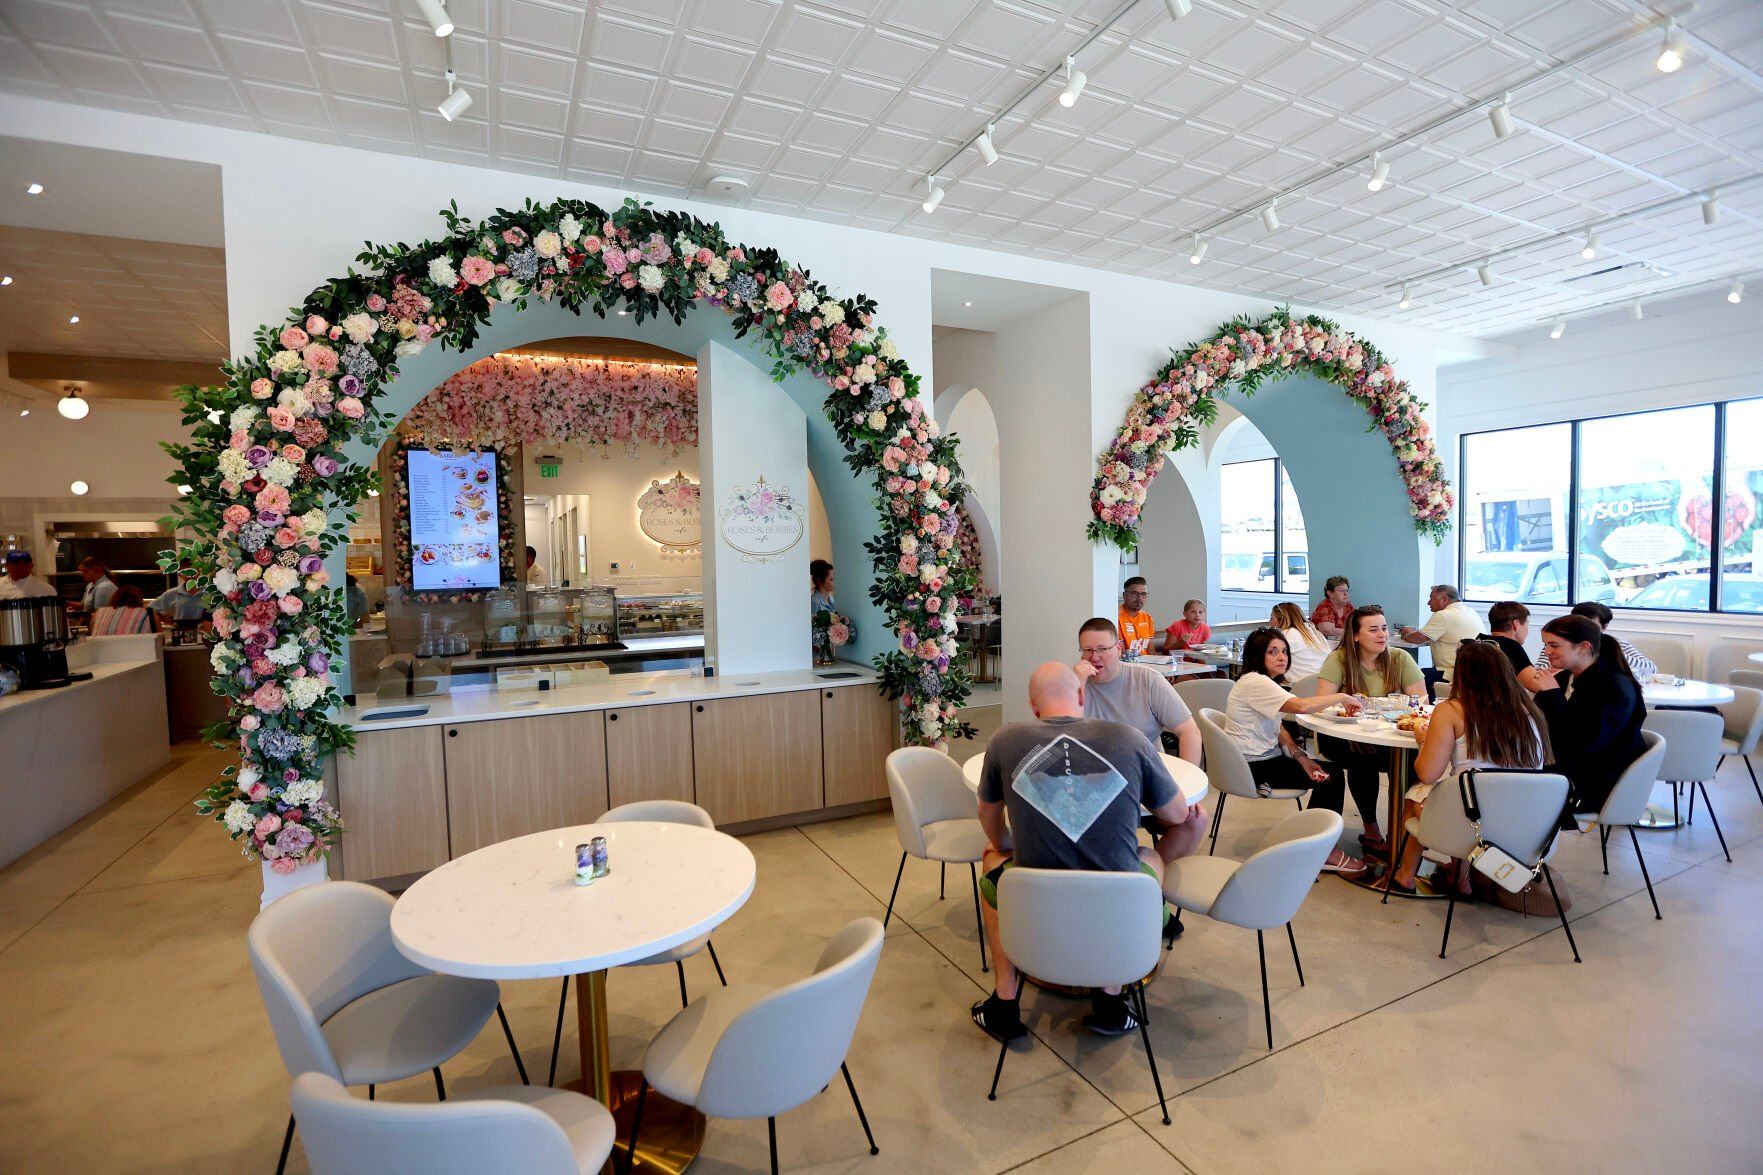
column 549, row 469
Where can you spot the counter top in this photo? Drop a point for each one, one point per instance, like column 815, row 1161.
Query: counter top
column 103, row 657
column 621, row 691
column 100, row 673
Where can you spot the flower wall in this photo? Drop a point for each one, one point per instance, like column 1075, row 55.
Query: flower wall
column 267, row 466
column 1169, row 411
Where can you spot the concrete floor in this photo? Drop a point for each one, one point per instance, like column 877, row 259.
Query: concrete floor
column 134, row 1039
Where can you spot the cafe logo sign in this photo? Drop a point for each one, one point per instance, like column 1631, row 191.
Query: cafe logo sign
column 761, row 521
column 668, row 513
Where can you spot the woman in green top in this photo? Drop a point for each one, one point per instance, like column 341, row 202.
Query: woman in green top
column 1365, row 665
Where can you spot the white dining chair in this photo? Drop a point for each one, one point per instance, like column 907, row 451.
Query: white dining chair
column 1209, row 693
column 1083, row 929
column 1692, row 756
column 650, row 812
column 1743, row 717
column 1627, row 803
column 1227, row 771
column 344, row 1001
column 1520, row 812
column 1751, row 678
column 1441, row 691
column 525, row 1128
column 750, row 1051
column 1262, row 892
column 934, row 817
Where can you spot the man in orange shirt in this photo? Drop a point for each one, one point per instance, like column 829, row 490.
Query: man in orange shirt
column 1138, row 632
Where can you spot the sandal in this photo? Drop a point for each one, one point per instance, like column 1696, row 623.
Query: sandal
column 1374, row 846
column 1348, row 867
column 1397, row 887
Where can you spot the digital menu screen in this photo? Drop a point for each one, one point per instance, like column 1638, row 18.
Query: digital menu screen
column 453, row 522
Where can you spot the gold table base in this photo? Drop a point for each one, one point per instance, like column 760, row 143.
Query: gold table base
column 672, row 1134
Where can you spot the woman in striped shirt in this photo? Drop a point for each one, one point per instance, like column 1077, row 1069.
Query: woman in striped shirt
column 124, row 615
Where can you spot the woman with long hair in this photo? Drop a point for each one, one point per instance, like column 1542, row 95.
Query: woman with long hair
column 1308, row 646
column 1253, row 721
column 1593, row 706
column 1488, row 721
column 124, row 615
column 1366, row 666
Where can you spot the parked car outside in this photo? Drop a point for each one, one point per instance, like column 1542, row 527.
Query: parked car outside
column 1738, row 593
column 1535, row 577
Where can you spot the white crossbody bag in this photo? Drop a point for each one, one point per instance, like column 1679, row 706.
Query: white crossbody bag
column 1488, row 859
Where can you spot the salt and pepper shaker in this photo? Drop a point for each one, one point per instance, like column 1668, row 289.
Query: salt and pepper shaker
column 584, row 865
column 598, row 857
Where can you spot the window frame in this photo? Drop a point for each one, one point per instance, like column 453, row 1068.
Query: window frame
column 1280, row 571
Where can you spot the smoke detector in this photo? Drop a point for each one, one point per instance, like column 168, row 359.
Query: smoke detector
column 727, row 187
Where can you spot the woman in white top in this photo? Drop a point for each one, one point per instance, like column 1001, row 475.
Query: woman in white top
column 1488, row 721
column 1253, row 721
column 1309, row 648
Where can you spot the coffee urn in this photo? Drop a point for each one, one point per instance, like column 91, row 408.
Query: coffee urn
column 33, row 641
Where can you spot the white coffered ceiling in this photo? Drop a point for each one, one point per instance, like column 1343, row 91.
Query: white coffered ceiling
column 835, row 109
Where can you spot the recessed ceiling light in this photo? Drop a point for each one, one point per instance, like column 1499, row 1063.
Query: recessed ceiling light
column 967, row 303
column 26, row 411
column 79, row 489
column 73, row 320
column 34, row 190
column 6, row 280
column 435, row 11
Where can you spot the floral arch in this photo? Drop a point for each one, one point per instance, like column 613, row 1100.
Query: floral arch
column 271, row 479
column 1169, row 411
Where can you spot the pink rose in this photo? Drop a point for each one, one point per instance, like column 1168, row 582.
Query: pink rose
column 284, row 866
column 615, row 262
column 778, row 296
column 290, row 605
column 250, row 722
column 256, row 792
column 590, row 244
column 375, row 304
column 269, row 698
column 281, row 419
column 476, row 270
column 316, row 325
column 273, row 497
column 350, row 407
column 268, row 825
column 236, row 515
column 933, row 604
column 262, row 389
column 319, row 358
column 293, row 338
column 294, row 453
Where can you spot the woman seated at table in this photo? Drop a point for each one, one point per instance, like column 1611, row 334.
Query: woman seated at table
column 1488, row 721
column 1309, row 647
column 1366, row 667
column 1252, row 720
column 1594, row 709
column 124, row 615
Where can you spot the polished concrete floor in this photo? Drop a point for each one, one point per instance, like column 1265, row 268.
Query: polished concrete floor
column 134, row 1040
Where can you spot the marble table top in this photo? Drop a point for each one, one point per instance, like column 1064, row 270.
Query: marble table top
column 1690, row 693
column 1377, row 734
column 513, row 911
column 1189, row 778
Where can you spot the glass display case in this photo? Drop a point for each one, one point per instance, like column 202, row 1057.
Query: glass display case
column 549, row 618
column 676, row 614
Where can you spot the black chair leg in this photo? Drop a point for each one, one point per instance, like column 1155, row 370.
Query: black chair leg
column 1692, row 815
column 287, row 1141
column 942, row 880
column 897, row 875
column 716, row 962
column 861, row 1116
column 557, row 1034
column 1676, row 814
column 1266, row 1003
column 998, row 1072
column 1296, row 962
column 1708, row 802
column 1450, row 909
column 370, row 1093
column 1138, row 993
column 512, row 1047
column 1549, row 877
column 1217, row 822
column 680, row 966
column 1755, row 786
column 630, row 1154
column 1389, row 877
column 440, row 1088
column 1604, row 847
column 1644, row 875
column 978, row 918
column 771, row 1131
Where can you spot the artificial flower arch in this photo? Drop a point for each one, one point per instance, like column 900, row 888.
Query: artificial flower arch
column 268, row 466
column 1169, row 411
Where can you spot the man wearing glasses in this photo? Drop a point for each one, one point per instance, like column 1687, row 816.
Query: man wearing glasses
column 1131, row 693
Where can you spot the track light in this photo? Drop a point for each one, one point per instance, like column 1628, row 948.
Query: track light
column 1380, row 172
column 1710, row 210
column 1199, row 250
column 1737, row 293
column 1560, row 328
column 1407, row 299
column 71, row 406
column 1591, row 245
column 1485, row 272
column 1075, row 80
column 1671, row 53
column 936, row 194
column 1178, row 8
column 1634, row 310
column 1500, row 114
column 988, row 150
column 456, row 102
column 436, row 13
column 1270, row 215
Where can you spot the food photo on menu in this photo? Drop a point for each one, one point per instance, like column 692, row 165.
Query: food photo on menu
column 453, row 520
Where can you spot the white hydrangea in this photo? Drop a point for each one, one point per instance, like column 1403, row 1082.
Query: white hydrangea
column 304, row 692
column 280, row 471
column 831, row 312
column 409, row 347
column 570, row 228
column 284, row 362
column 547, row 244
column 312, row 523
column 281, row 580
column 220, row 659
column 888, row 350
column 233, row 466
column 248, row 775
column 878, row 420
column 238, row 817
column 948, row 622
column 226, row 583
column 285, row 653
column 909, row 545
column 242, row 417
column 718, row 268
column 651, row 278
column 360, row 327
column 294, row 400
column 303, row 791
column 507, row 289
column 442, row 273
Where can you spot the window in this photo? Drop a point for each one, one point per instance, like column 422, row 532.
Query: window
column 1618, row 509
column 1261, row 533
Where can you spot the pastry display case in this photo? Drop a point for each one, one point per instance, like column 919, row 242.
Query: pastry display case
column 676, row 614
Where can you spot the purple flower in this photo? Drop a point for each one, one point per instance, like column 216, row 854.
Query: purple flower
column 247, row 678
column 350, row 385
column 309, row 564
column 294, row 839
column 324, row 466
column 318, row 663
column 260, row 590
column 269, row 518
column 258, row 456
column 909, row 640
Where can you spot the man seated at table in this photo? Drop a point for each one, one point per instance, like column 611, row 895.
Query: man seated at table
column 1452, row 623
column 1638, row 662
column 1072, row 787
column 1136, row 626
column 1509, row 625
column 1128, row 692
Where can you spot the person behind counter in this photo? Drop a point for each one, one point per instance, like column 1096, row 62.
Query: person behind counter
column 124, row 615
column 536, row 575
column 820, row 593
column 356, row 600
column 19, row 583
column 99, row 586
column 178, row 603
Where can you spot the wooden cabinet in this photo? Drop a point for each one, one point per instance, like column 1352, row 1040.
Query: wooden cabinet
column 393, row 795
column 758, row 756
column 514, row 776
column 858, row 727
column 649, row 754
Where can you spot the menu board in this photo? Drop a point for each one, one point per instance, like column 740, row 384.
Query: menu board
column 453, row 523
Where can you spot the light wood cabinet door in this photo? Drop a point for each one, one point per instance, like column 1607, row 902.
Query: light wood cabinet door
column 758, row 756
column 649, row 754
column 858, row 727
column 518, row 775
column 392, row 793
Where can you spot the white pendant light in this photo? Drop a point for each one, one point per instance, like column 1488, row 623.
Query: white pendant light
column 936, row 194
column 71, row 406
column 1500, row 114
column 1710, row 210
column 457, row 101
column 1736, row 294
column 1634, row 310
column 1591, row 245
column 1560, row 328
column 1670, row 58
column 1407, row 299
column 1178, row 8
column 435, row 12
column 1198, row 251
column 79, row 489
column 35, row 189
column 1270, row 215
column 988, row 150
column 1380, row 172
column 1485, row 272
column 1075, row 80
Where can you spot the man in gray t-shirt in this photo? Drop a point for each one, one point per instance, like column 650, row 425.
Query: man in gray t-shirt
column 1131, row 693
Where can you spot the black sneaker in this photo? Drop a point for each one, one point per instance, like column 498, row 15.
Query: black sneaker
column 1172, row 927
column 999, row 1019
column 1111, row 1015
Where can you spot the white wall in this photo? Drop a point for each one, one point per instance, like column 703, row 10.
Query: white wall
column 115, row 450
column 966, row 413
column 613, row 480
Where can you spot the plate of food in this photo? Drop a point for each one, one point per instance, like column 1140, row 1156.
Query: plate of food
column 427, row 556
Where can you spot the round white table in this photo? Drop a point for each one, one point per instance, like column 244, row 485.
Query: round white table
column 1688, row 695
column 1402, row 747
column 1189, row 778
column 513, row 911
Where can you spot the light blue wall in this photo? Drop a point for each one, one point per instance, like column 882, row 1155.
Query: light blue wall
column 849, row 499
